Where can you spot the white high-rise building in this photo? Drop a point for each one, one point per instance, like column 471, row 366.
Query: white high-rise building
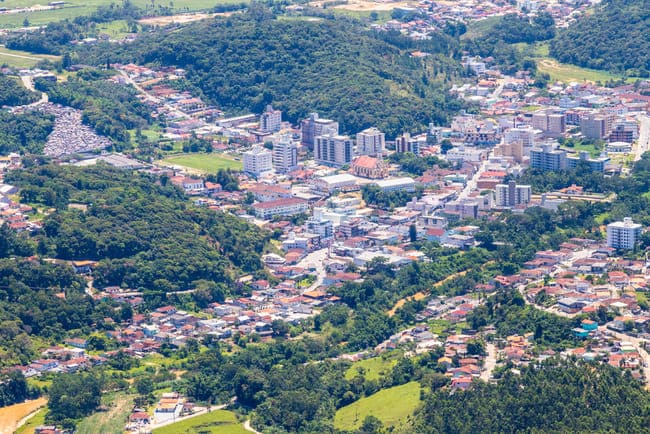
column 371, row 142
column 271, row 120
column 314, row 126
column 623, row 235
column 258, row 161
column 285, row 153
column 333, row 150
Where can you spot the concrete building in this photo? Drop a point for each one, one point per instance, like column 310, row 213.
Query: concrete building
column 553, row 124
column 510, row 195
column 595, row 164
column 287, row 207
column 596, row 125
column 371, row 142
column 548, row 157
column 271, row 120
column 313, row 127
column 406, row 143
column 623, row 235
column 333, row 150
column 394, row 184
column 285, row 153
column 324, row 228
column 624, row 131
column 258, row 161
column 523, row 135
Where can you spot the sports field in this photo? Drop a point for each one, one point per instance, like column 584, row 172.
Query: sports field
column 206, row 163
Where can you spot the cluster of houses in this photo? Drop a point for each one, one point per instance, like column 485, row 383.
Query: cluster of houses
column 59, row 359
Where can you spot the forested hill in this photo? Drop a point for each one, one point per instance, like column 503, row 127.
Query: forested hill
column 144, row 233
column 616, row 38
column 333, row 67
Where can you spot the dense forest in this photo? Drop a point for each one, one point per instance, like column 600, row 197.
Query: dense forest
column 360, row 79
column 616, row 37
column 25, row 133
column 554, row 396
column 142, row 232
column 13, row 93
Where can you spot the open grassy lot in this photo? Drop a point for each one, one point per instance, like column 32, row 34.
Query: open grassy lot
column 21, row 59
column 567, row 73
column 372, row 369
column 75, row 8
column 207, row 163
column 119, row 406
column 391, row 406
column 216, row 422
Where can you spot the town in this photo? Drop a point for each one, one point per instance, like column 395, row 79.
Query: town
column 341, row 205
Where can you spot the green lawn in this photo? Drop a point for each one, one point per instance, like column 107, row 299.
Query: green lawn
column 208, row 163
column 372, row 369
column 75, row 8
column 120, row 405
column 391, row 406
column 216, row 422
column 33, row 422
column 21, row 59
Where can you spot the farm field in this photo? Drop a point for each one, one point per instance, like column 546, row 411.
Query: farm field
column 216, row 422
column 391, row 406
column 21, row 59
column 75, row 8
column 11, row 415
column 206, row 163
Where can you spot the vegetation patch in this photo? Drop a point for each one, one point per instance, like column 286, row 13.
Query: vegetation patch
column 207, row 163
column 215, row 422
column 391, row 406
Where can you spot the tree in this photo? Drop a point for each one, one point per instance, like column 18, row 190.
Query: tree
column 413, row 233
column 445, row 146
column 72, row 396
column 371, row 425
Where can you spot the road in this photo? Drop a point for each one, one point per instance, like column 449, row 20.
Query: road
column 643, row 143
column 315, row 260
column 490, row 362
column 472, row 183
column 204, row 410
column 29, row 84
column 248, row 427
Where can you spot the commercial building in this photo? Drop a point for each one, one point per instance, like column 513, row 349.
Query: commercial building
column 624, row 131
column 550, row 123
column 258, row 161
column 271, row 120
column 371, row 142
column 333, row 150
column 510, row 195
column 313, row 127
column 623, row 235
column 285, row 153
column 403, row 184
column 342, row 182
column 287, row 207
column 324, row 228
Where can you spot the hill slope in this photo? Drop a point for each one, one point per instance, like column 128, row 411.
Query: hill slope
column 248, row 61
column 615, row 38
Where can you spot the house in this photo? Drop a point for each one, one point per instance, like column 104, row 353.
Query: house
column 76, row 342
column 83, row 267
column 139, row 418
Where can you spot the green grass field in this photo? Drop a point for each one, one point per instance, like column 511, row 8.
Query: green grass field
column 372, row 369
column 216, row 422
column 75, row 8
column 111, row 421
column 391, row 406
column 207, row 163
column 33, row 422
column 21, row 59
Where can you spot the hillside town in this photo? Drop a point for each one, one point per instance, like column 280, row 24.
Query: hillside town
column 340, row 205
